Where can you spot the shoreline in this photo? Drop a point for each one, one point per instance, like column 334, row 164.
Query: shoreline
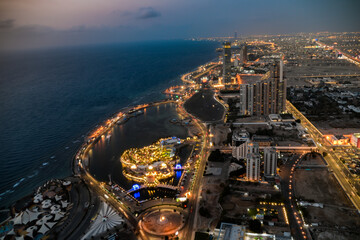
column 80, row 169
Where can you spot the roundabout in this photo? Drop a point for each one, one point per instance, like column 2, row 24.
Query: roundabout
column 162, row 222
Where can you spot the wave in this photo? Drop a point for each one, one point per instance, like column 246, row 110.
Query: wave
column 36, row 172
column 17, row 184
column 6, row 192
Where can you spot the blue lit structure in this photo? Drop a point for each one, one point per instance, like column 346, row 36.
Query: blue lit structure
column 137, row 194
column 178, row 166
column 135, row 187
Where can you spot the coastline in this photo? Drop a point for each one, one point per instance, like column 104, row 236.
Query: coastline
column 40, row 144
column 81, row 172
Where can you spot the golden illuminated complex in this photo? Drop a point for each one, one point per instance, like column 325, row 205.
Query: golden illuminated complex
column 152, row 163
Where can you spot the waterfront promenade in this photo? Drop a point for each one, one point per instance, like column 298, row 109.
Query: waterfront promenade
column 131, row 208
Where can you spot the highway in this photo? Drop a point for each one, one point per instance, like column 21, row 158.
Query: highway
column 340, row 171
column 347, row 56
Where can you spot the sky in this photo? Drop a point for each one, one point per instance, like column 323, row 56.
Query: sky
column 46, row 23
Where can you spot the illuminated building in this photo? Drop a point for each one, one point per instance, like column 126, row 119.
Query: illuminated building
column 355, row 140
column 338, row 140
column 270, row 161
column 227, row 63
column 264, row 96
column 152, row 163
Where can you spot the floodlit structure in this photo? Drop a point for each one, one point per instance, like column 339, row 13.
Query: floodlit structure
column 337, row 140
column 152, row 163
column 106, row 220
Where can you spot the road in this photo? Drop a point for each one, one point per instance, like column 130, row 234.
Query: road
column 341, row 173
column 188, row 230
column 347, row 56
column 184, row 77
column 299, row 231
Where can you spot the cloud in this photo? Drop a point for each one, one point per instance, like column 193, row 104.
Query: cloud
column 7, row 23
column 147, row 12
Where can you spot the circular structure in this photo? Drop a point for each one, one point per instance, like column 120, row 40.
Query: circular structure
column 151, row 163
column 163, row 222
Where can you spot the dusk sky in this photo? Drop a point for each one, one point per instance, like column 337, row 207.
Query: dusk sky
column 43, row 23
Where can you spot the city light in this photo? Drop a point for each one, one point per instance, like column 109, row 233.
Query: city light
column 135, row 187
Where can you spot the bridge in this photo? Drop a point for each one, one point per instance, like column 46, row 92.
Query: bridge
column 278, row 148
column 174, row 188
column 327, row 75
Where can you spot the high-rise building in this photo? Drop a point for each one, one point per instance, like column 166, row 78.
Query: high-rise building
column 240, row 140
column 227, row 63
column 277, row 74
column 264, row 96
column 253, row 167
column 253, row 162
column 243, row 54
column 236, row 62
column 270, row 161
column 253, row 147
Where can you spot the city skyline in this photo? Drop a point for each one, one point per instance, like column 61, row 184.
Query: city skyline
column 61, row 23
column 180, row 120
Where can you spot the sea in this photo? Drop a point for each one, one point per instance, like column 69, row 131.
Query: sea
column 51, row 98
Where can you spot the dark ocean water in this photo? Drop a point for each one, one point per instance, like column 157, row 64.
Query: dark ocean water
column 104, row 156
column 50, row 98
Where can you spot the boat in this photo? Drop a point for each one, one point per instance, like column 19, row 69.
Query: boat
column 123, row 120
column 137, row 113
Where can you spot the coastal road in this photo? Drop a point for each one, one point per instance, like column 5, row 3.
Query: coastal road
column 120, row 206
column 188, row 231
column 190, row 228
column 184, row 77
